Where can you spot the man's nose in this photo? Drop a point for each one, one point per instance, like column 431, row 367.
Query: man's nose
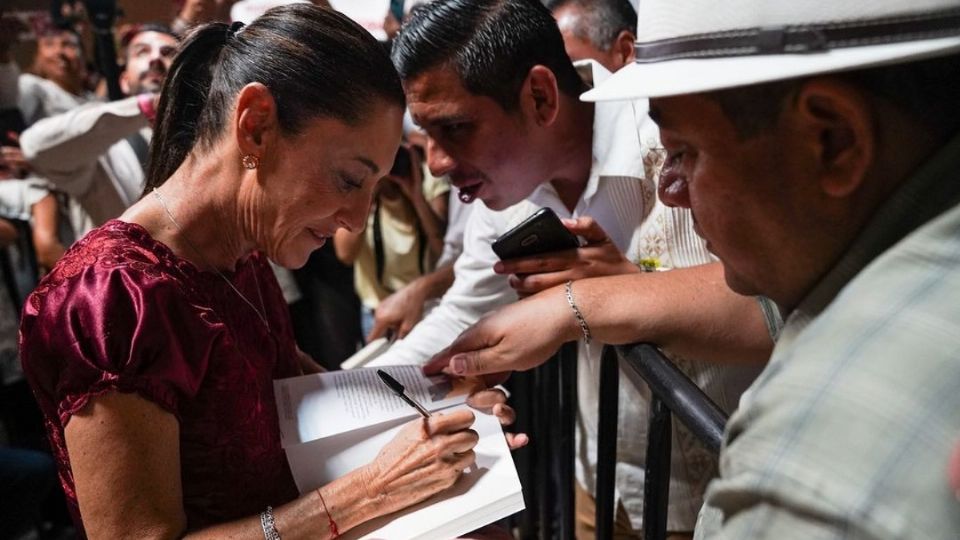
column 156, row 62
column 438, row 159
column 674, row 190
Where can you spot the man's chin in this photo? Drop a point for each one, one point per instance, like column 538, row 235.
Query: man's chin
column 739, row 284
column 499, row 203
column 147, row 86
column 494, row 204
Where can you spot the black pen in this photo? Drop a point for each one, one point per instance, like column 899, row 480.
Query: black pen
column 398, row 389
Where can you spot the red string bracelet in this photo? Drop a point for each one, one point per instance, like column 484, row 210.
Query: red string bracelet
column 333, row 524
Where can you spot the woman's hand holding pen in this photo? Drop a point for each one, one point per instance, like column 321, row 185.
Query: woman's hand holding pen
column 426, row 457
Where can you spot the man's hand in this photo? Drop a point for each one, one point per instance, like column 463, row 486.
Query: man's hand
column 402, row 310
column 494, row 401
column 599, row 257
column 517, row 337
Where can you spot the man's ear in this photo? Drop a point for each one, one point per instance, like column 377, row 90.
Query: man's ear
column 838, row 120
column 539, row 96
column 622, row 51
column 256, row 119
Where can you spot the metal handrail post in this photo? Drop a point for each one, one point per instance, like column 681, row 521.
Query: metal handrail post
column 607, row 424
column 566, row 439
column 656, row 483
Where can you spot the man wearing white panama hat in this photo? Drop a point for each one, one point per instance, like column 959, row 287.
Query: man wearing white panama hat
column 816, row 144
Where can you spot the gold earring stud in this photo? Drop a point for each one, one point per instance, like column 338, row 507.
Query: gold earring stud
column 250, row 161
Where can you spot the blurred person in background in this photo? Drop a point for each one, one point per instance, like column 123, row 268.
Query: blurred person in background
column 96, row 153
column 57, row 84
column 193, row 12
column 33, row 503
column 403, row 236
column 600, row 30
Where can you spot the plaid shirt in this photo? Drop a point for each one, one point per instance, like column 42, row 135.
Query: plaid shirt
column 847, row 432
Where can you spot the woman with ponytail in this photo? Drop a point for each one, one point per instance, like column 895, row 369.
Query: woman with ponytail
column 153, row 344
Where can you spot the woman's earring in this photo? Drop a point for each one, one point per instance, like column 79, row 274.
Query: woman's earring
column 250, row 161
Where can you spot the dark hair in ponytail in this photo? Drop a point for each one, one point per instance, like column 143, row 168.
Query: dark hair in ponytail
column 315, row 61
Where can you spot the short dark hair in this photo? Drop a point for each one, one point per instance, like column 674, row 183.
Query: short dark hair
column 491, row 45
column 315, row 61
column 138, row 29
column 151, row 26
column 600, row 21
column 926, row 89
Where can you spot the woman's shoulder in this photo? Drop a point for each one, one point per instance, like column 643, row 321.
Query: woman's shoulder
column 114, row 250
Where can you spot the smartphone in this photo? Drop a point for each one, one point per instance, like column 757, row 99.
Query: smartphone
column 543, row 232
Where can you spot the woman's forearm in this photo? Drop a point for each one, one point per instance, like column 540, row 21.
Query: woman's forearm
column 346, row 499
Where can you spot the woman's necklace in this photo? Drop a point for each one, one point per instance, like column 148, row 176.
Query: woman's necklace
column 260, row 312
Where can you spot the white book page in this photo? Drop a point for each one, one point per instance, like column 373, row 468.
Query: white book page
column 326, row 404
column 488, row 491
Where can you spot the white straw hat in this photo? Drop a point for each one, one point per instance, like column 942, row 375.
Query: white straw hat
column 689, row 46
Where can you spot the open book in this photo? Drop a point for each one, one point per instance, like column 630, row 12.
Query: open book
column 332, row 423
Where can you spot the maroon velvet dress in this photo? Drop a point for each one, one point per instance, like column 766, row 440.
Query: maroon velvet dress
column 121, row 312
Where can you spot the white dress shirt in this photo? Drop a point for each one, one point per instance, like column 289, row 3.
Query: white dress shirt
column 83, row 152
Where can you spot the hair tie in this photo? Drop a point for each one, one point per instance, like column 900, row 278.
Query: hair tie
column 234, row 28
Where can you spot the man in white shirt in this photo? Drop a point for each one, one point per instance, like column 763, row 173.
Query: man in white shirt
column 495, row 91
column 95, row 152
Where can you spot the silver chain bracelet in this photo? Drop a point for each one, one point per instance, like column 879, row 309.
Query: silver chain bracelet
column 576, row 313
column 268, row 525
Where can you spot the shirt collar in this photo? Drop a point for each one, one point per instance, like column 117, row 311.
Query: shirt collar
column 617, row 126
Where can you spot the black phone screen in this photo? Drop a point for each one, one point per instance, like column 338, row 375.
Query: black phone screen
column 543, row 232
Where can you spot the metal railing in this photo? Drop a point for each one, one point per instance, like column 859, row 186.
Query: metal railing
column 546, row 402
column 673, row 393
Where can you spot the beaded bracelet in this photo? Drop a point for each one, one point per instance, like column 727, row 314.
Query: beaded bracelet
column 334, row 532
column 576, row 313
column 269, row 525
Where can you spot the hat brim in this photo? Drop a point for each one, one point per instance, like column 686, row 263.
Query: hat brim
column 676, row 77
